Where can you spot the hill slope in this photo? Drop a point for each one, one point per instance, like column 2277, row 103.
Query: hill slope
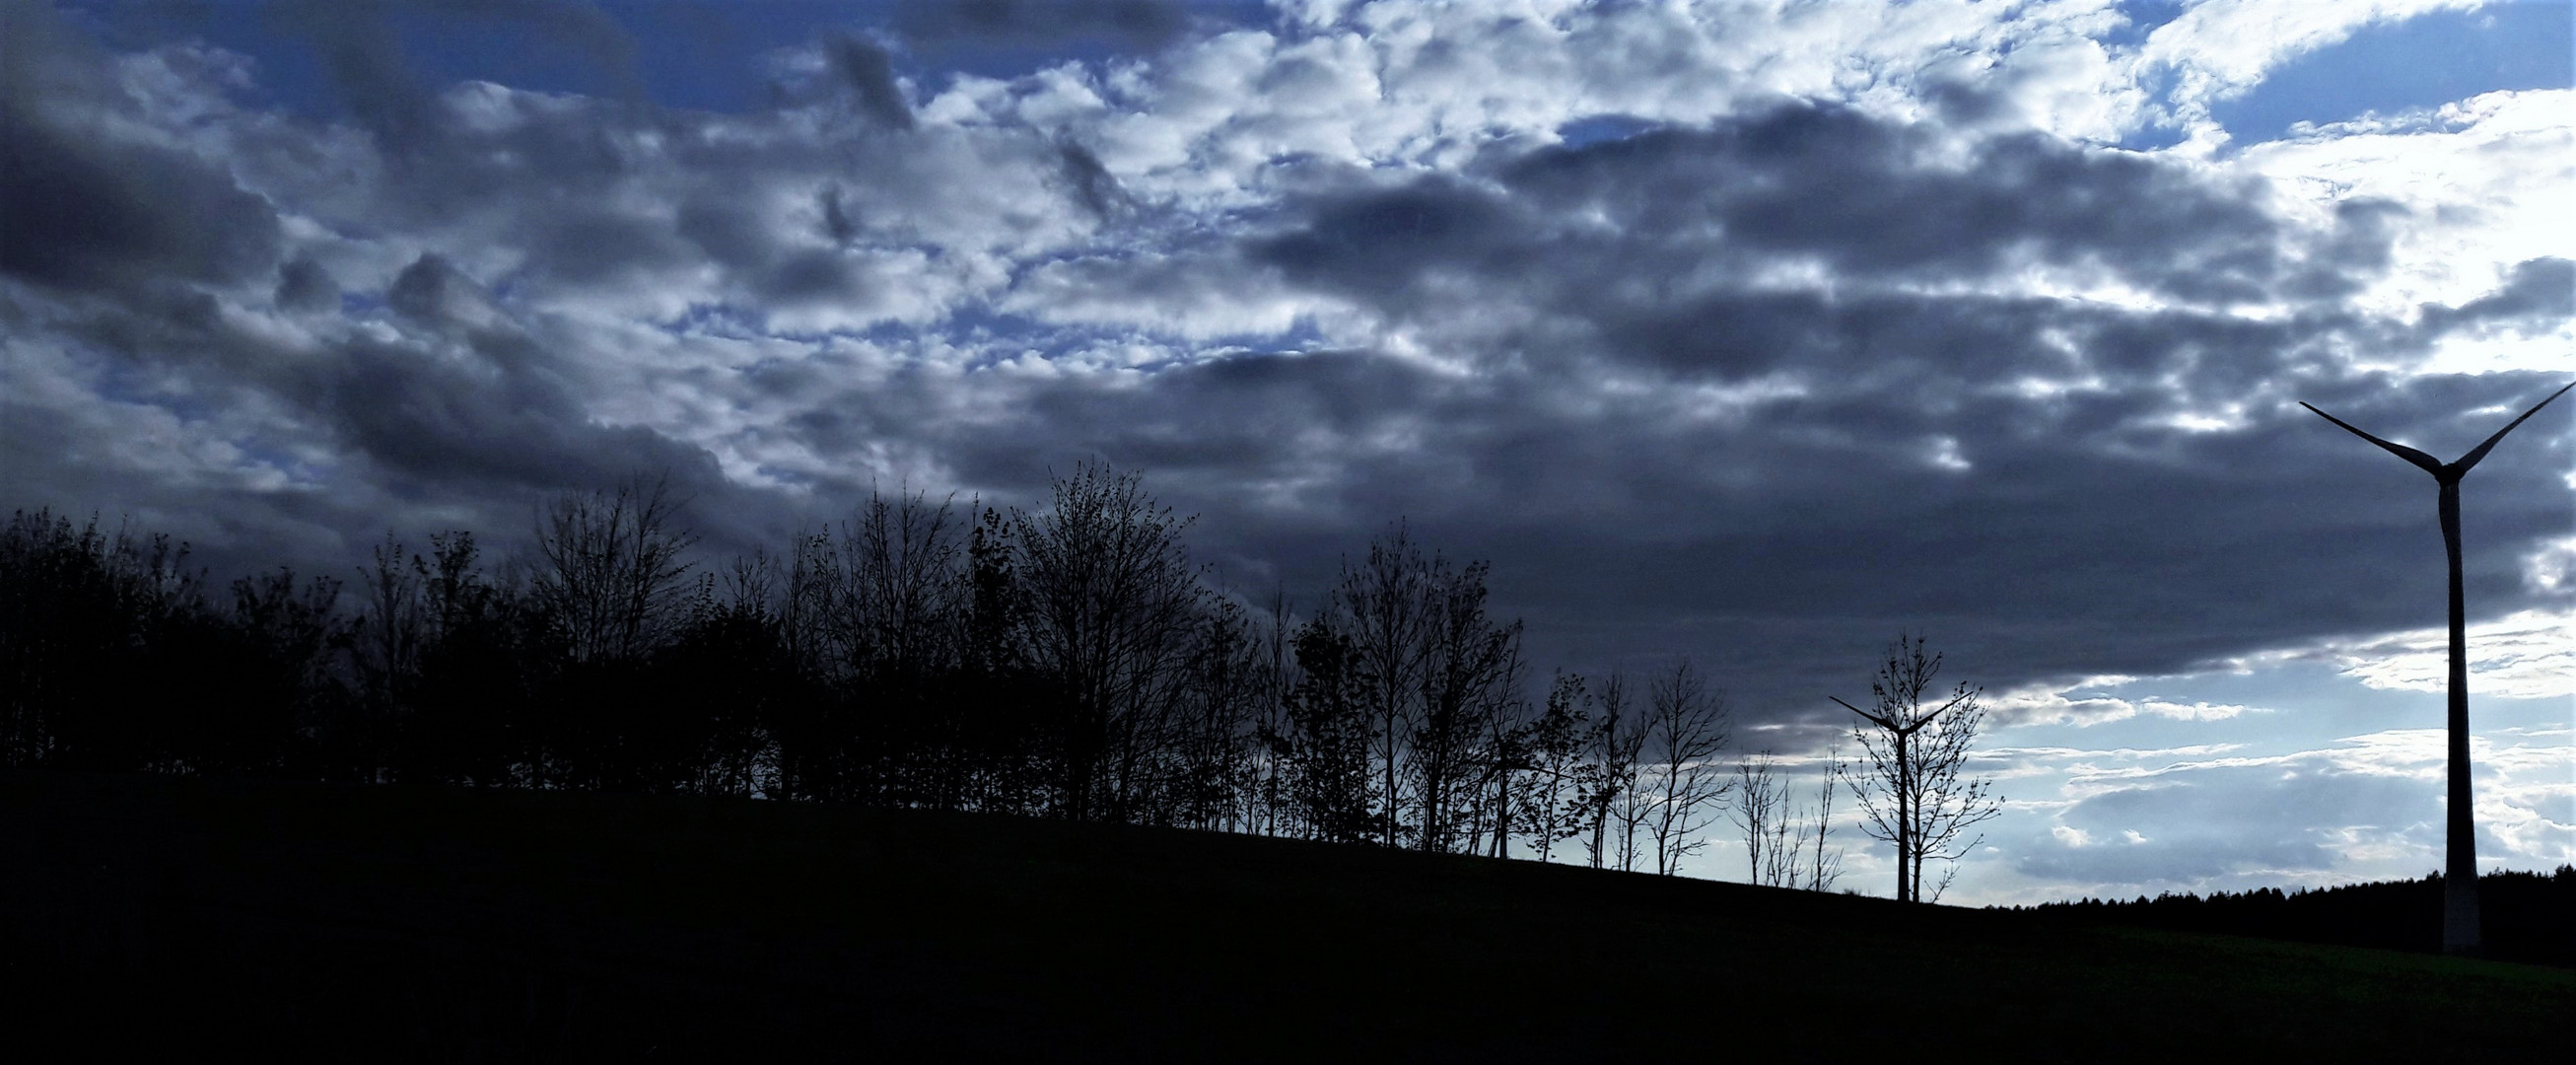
column 148, row 913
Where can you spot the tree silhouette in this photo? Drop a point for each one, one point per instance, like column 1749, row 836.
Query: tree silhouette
column 2460, row 845
column 1553, row 810
column 1471, row 668
column 1608, row 784
column 1686, row 727
column 1070, row 662
column 1785, row 847
column 1386, row 607
column 1112, row 601
column 1332, row 794
column 613, row 564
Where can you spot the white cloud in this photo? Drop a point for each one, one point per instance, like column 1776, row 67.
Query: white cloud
column 2487, row 183
column 2083, row 704
column 2366, row 807
column 2527, row 655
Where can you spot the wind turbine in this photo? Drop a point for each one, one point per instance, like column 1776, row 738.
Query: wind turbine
column 2460, row 848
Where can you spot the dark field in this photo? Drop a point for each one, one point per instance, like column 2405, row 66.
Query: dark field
column 211, row 917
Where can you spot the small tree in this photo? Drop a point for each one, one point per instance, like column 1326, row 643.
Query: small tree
column 1783, row 846
column 1386, row 607
column 1607, row 785
column 612, row 576
column 1823, row 868
column 1912, row 790
column 1685, row 729
column 1112, row 605
column 1471, row 670
column 1759, row 812
column 1324, row 748
column 1553, row 811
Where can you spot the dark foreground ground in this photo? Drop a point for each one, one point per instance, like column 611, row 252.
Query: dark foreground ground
column 215, row 917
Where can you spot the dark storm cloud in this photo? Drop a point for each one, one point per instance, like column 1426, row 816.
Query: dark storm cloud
column 1144, row 24
column 867, row 73
column 428, row 421
column 304, row 285
column 758, row 255
column 81, row 215
column 2021, row 474
column 1870, row 198
column 359, row 48
column 2539, row 292
column 837, row 222
column 1225, row 421
column 86, row 208
column 1091, row 182
column 1378, row 244
column 358, row 51
column 476, row 403
column 432, row 292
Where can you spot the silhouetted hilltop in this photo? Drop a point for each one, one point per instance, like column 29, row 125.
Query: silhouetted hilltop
column 2527, row 917
column 150, row 913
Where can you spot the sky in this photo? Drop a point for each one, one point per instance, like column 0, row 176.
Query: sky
column 1753, row 332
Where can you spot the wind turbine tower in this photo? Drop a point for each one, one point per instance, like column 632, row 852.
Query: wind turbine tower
column 2460, row 847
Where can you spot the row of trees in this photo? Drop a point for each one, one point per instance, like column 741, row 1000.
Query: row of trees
column 1068, row 662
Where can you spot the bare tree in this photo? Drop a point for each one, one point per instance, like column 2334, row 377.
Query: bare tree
column 1386, row 604
column 1112, row 605
column 1759, row 812
column 1553, row 811
column 1913, row 792
column 390, row 628
column 1324, row 748
column 1823, row 868
column 1785, row 846
column 1471, row 673
column 1686, row 728
column 612, row 570
column 899, row 579
column 1608, row 785
column 1271, row 727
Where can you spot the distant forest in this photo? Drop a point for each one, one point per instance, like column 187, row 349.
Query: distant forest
column 2528, row 917
column 1071, row 662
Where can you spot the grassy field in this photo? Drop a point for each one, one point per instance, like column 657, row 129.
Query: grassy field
column 192, row 916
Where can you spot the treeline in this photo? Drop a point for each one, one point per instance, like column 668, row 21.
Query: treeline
column 1070, row 662
column 2528, row 917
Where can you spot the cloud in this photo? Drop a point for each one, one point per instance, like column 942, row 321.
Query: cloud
column 2069, row 705
column 2475, row 251
column 2216, row 818
column 868, row 72
column 1860, row 320
column 2529, row 654
column 1143, row 23
column 90, row 202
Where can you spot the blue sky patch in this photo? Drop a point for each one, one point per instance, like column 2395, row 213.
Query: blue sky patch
column 2422, row 62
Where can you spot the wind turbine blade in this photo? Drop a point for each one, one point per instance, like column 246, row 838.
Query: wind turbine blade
column 1874, row 719
column 2471, row 459
column 2430, row 464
